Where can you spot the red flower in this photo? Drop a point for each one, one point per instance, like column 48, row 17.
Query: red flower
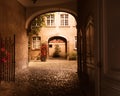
column 43, row 50
column 5, row 55
column 2, row 49
column 4, row 60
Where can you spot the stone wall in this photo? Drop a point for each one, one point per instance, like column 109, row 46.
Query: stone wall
column 12, row 21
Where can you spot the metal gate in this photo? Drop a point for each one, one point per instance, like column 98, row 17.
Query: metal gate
column 7, row 58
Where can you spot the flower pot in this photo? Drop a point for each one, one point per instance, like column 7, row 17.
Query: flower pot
column 43, row 59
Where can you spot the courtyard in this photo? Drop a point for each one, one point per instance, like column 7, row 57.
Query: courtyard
column 50, row 78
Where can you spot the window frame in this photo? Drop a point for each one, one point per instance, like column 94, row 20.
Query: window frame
column 50, row 20
column 75, row 45
column 36, row 42
column 64, row 19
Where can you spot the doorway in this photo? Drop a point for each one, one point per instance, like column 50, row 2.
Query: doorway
column 57, row 47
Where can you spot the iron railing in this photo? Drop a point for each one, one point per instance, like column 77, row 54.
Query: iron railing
column 7, row 58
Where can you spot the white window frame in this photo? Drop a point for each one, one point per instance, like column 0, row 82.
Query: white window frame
column 36, row 42
column 64, row 19
column 50, row 20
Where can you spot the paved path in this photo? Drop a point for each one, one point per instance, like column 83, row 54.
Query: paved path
column 51, row 78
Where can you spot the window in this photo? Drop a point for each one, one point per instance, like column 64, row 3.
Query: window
column 51, row 20
column 50, row 46
column 64, row 19
column 35, row 23
column 36, row 42
column 75, row 42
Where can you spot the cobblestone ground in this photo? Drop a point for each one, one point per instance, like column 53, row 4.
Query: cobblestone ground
column 51, row 78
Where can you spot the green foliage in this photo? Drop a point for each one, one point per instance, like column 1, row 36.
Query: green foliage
column 37, row 23
column 57, row 51
column 73, row 56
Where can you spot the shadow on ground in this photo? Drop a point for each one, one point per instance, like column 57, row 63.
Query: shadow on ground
column 51, row 78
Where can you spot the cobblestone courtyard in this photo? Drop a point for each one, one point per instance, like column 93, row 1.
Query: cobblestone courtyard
column 51, row 78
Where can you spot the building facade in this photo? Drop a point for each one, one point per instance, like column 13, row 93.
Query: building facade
column 59, row 33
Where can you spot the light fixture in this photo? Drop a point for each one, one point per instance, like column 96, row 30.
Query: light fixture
column 34, row 1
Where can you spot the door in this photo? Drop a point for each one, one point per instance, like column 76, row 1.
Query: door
column 110, row 48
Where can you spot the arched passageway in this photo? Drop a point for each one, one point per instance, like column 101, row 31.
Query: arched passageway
column 53, row 28
column 37, row 39
column 101, row 67
column 32, row 16
column 84, row 49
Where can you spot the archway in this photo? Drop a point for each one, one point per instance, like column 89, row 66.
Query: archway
column 58, row 25
column 57, row 47
column 28, row 20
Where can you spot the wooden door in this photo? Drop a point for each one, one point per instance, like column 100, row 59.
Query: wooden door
column 110, row 48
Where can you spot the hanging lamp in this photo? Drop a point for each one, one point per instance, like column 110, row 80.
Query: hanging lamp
column 34, row 1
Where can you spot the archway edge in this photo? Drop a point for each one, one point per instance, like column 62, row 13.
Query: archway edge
column 52, row 37
column 49, row 10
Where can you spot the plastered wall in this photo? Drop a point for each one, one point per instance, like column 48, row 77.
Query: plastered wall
column 12, row 21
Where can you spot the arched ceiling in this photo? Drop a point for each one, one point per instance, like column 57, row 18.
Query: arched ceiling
column 29, row 3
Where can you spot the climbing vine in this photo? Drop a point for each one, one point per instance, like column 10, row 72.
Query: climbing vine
column 37, row 23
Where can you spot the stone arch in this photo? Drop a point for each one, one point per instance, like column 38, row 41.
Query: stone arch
column 54, row 37
column 74, row 14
